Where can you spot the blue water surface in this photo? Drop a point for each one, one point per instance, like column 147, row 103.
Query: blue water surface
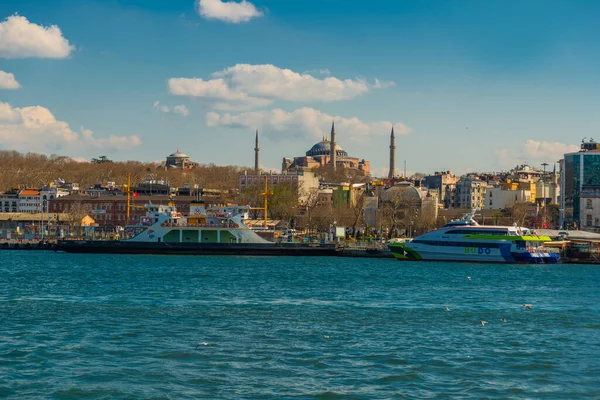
column 170, row 327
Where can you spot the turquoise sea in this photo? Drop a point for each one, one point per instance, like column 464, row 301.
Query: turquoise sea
column 170, row 327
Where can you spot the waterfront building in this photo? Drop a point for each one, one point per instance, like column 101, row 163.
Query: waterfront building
column 111, row 210
column 29, row 201
column 580, row 188
column 9, row 201
column 326, row 153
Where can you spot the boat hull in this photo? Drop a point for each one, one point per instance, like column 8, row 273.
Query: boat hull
column 244, row 249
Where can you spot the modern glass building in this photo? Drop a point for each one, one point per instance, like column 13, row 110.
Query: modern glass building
column 580, row 188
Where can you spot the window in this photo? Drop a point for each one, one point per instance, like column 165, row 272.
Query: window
column 588, row 204
column 588, row 220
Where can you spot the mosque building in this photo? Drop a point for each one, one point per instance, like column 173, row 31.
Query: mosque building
column 326, row 153
column 179, row 160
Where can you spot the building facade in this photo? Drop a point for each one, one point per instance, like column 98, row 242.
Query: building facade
column 580, row 188
column 470, row 192
column 304, row 181
column 30, row 201
column 111, row 210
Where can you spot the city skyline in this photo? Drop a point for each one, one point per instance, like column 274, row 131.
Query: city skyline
column 466, row 86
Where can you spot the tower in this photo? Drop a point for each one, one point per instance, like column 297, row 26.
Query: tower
column 392, row 172
column 332, row 144
column 256, row 151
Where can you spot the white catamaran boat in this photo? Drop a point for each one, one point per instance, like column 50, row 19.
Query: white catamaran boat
column 466, row 240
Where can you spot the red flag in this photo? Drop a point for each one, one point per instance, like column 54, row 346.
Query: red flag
column 135, row 195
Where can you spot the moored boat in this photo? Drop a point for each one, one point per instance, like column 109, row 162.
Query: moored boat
column 466, row 240
column 206, row 231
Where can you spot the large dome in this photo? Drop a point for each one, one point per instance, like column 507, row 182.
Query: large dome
column 178, row 154
column 403, row 193
column 323, row 148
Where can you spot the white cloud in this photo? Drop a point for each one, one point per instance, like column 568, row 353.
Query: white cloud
column 304, row 122
column 36, row 129
column 246, row 86
column 20, row 38
column 179, row 109
column 227, row 11
column 217, row 92
column 534, row 153
column 8, row 81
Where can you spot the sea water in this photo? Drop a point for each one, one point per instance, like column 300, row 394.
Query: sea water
column 172, row 327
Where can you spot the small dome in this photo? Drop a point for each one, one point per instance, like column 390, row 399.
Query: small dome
column 323, row 148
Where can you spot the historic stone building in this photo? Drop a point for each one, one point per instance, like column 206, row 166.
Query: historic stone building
column 326, row 153
column 179, row 160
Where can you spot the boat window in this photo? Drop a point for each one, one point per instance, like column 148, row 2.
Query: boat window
column 477, row 232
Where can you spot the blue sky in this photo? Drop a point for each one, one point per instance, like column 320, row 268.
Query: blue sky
column 469, row 85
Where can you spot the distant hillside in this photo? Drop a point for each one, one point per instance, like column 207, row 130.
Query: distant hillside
column 36, row 170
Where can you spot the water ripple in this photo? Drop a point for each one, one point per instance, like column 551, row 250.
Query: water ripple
column 117, row 327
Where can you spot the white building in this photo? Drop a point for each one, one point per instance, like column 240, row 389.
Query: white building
column 49, row 193
column 29, row 201
column 500, row 199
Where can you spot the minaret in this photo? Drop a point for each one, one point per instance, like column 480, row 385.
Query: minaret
column 332, row 144
column 256, row 151
column 392, row 172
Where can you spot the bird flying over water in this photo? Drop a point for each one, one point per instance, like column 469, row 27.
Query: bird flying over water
column 483, row 323
column 202, row 344
column 527, row 307
column 503, row 320
column 446, row 308
column 468, row 278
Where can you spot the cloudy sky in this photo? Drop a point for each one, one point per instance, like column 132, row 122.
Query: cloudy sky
column 467, row 84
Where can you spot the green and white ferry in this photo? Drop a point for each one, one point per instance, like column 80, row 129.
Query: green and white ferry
column 466, row 240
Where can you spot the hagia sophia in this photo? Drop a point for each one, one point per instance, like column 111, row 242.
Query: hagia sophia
column 320, row 155
column 324, row 153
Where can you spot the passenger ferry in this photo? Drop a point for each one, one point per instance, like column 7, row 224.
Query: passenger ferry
column 205, row 231
column 466, row 240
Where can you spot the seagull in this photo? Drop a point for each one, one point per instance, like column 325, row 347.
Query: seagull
column 201, row 344
column 446, row 307
column 483, row 323
column 527, row 307
column 326, row 336
column 503, row 320
column 468, row 277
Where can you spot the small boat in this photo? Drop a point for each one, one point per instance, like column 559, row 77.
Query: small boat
column 466, row 240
